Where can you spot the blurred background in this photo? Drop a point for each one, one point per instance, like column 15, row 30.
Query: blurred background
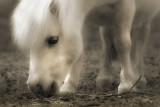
column 6, row 8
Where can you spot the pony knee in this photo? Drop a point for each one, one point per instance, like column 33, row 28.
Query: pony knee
column 123, row 43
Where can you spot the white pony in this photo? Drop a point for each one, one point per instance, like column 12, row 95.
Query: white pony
column 53, row 31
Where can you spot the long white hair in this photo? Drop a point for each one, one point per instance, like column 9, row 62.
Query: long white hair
column 31, row 22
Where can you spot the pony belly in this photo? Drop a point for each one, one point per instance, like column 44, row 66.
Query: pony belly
column 146, row 10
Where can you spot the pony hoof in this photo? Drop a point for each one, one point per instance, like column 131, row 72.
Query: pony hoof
column 141, row 84
column 138, row 85
column 126, row 87
column 67, row 88
column 104, row 83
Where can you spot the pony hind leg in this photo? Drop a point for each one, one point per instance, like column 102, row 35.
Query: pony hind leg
column 122, row 41
column 105, row 77
column 140, row 37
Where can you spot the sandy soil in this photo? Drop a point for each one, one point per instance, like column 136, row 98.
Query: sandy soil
column 14, row 72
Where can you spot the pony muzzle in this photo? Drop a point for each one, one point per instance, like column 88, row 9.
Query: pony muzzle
column 40, row 91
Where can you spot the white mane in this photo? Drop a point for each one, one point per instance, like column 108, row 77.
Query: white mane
column 32, row 22
column 70, row 16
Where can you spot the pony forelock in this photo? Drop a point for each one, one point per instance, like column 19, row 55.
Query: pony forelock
column 31, row 22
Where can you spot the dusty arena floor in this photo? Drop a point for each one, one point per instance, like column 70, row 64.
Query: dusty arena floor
column 14, row 73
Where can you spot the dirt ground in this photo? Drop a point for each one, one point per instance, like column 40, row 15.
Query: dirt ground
column 14, row 72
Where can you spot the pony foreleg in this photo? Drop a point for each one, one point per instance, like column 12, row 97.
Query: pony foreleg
column 105, row 77
column 72, row 78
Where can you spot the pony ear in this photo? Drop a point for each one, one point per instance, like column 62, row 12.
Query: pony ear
column 53, row 8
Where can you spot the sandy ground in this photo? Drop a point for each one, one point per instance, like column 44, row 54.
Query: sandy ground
column 14, row 72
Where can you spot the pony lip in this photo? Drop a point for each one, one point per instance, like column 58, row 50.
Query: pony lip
column 122, row 25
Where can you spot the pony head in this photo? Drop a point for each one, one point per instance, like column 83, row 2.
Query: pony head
column 36, row 27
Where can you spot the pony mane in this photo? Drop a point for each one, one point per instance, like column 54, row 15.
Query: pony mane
column 31, row 22
column 70, row 16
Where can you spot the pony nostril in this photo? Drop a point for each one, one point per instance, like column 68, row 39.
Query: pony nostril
column 53, row 86
column 53, row 89
column 37, row 90
column 38, row 86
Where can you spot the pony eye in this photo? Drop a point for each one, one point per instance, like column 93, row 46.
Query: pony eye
column 52, row 40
